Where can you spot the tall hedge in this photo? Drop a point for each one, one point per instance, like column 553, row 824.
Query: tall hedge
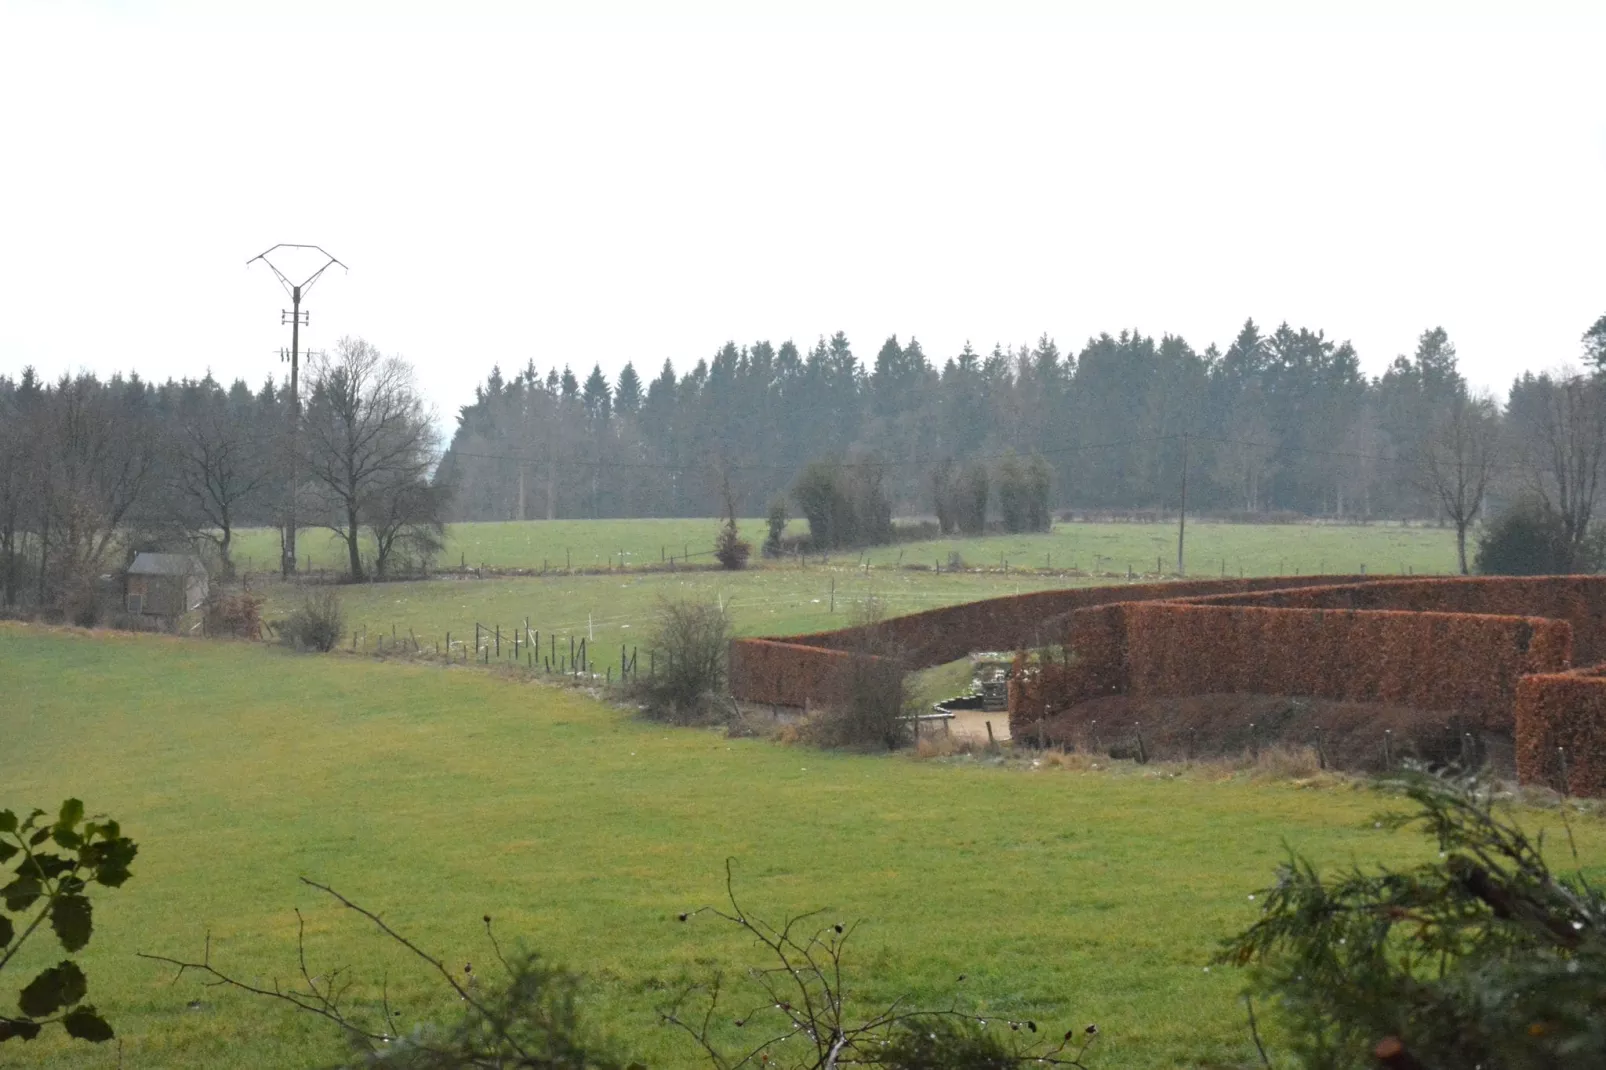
column 1561, row 726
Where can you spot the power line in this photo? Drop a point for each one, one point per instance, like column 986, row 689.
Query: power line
column 689, row 467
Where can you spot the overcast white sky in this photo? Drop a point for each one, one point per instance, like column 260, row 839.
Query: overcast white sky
column 602, row 183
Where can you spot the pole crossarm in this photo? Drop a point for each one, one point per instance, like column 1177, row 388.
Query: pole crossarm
column 306, row 284
column 296, row 319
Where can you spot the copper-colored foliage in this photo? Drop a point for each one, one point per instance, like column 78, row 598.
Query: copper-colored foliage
column 1561, row 726
column 790, row 671
column 1496, row 648
column 1463, row 662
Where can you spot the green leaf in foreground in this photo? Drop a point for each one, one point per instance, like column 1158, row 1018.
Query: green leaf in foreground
column 84, row 1024
column 60, row 986
column 70, row 918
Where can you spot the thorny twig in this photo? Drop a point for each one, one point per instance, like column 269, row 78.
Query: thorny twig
column 806, row 990
column 324, row 994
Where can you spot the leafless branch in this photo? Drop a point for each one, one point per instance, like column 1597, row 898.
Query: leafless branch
column 804, row 988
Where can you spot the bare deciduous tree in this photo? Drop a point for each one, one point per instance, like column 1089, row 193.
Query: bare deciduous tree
column 1559, row 421
column 367, row 434
column 16, row 478
column 218, row 463
column 95, row 456
column 407, row 520
column 1456, row 460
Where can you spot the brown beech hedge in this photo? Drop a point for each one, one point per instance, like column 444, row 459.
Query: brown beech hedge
column 794, row 670
column 1578, row 600
column 1561, row 730
column 1466, row 662
column 1461, row 662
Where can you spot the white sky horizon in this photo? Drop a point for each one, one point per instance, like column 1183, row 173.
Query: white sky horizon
column 578, row 184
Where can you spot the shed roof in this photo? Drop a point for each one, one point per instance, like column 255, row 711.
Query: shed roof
column 166, row 565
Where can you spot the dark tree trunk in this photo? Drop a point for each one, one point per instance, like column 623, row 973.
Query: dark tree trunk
column 352, row 546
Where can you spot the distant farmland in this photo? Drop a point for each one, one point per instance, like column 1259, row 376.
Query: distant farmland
column 788, row 597
column 1250, row 549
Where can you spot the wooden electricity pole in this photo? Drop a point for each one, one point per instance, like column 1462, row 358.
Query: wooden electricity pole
column 295, row 318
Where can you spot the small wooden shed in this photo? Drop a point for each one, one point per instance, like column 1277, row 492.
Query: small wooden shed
column 164, row 585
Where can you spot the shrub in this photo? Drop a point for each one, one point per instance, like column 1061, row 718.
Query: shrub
column 776, row 522
column 729, row 548
column 1525, row 540
column 529, row 1015
column 1023, row 491
column 689, row 645
column 524, row 1014
column 803, row 993
column 875, row 705
column 960, row 497
column 238, row 615
column 871, row 713
column 845, row 503
column 1482, row 957
column 316, row 624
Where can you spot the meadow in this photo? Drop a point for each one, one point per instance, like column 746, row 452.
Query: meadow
column 613, row 609
column 1212, row 548
column 436, row 795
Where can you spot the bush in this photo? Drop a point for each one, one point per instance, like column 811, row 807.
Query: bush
column 238, row 615
column 525, row 1014
column 776, row 522
column 729, row 548
column 316, row 624
column 961, row 497
column 873, row 713
column 1482, row 957
column 876, row 707
column 1525, row 540
column 689, row 647
column 845, row 503
column 1023, row 491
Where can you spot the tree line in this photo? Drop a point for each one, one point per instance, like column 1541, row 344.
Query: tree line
column 1279, row 422
column 94, row 470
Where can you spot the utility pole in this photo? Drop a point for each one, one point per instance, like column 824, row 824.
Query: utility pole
column 1182, row 511
column 295, row 318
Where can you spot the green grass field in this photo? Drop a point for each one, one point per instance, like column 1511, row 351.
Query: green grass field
column 781, row 598
column 437, row 795
column 580, row 544
column 1250, row 549
column 610, row 611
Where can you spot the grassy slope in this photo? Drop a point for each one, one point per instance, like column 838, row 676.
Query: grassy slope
column 1255, row 549
column 583, row 543
column 621, row 607
column 782, row 599
column 438, row 795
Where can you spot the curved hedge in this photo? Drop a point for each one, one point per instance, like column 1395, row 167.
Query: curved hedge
column 796, row 670
column 1465, row 662
column 1498, row 648
column 1561, row 725
column 1578, row 600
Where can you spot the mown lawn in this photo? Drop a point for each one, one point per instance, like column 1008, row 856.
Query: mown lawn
column 436, row 796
